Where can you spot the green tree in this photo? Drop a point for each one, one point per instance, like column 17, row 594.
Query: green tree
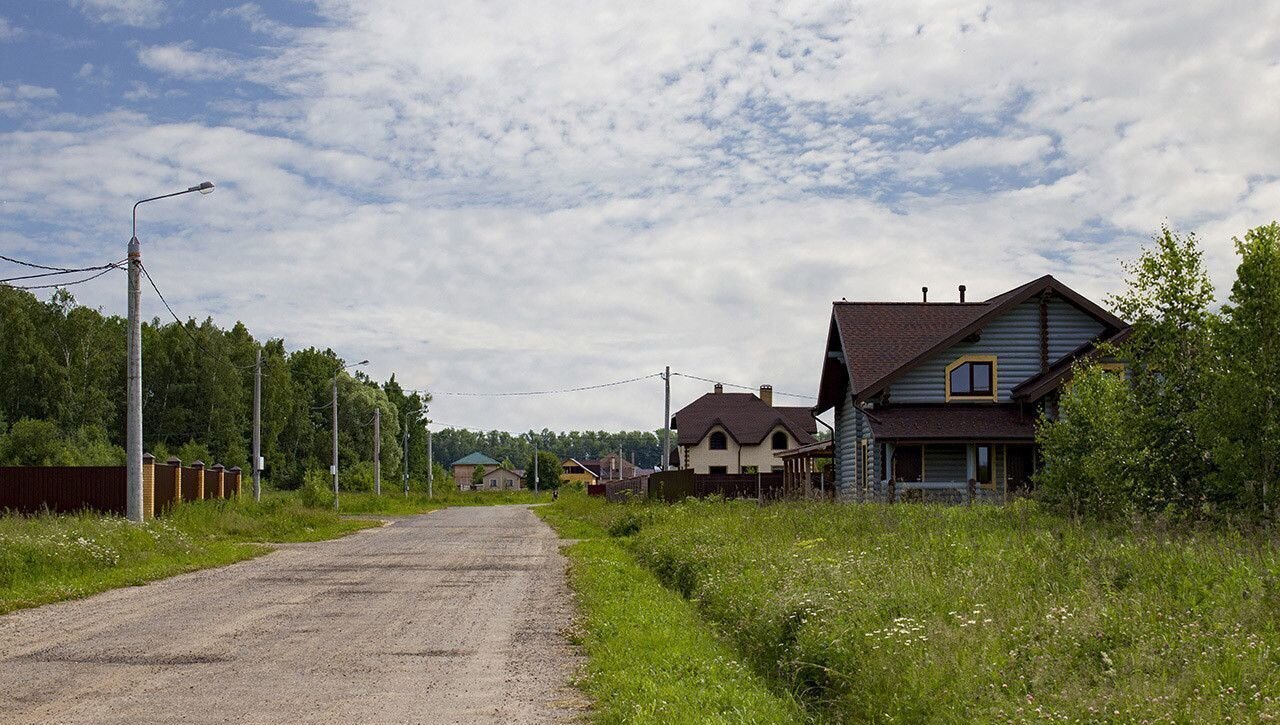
column 1242, row 418
column 548, row 467
column 1093, row 452
column 477, row 477
column 1168, row 303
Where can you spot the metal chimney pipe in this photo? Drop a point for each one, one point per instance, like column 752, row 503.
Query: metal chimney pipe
column 924, row 292
column 962, row 293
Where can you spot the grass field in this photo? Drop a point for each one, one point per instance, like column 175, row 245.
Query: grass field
column 50, row 558
column 915, row 613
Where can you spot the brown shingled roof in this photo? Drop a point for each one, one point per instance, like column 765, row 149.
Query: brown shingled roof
column 952, row 422
column 882, row 340
column 744, row 416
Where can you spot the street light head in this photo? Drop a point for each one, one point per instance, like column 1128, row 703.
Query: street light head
column 363, row 362
column 205, row 187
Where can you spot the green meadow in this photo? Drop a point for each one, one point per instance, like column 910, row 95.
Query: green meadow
column 915, row 613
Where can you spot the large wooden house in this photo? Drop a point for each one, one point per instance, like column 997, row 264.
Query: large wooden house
column 941, row 399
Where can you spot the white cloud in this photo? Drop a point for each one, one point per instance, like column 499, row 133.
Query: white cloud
column 182, row 61
column 536, row 195
column 137, row 13
column 9, row 31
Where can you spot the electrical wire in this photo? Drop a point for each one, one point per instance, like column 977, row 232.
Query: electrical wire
column 62, row 284
column 33, row 265
column 556, row 391
column 741, row 387
column 109, row 265
column 176, row 319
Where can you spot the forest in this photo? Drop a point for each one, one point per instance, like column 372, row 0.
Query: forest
column 62, row 401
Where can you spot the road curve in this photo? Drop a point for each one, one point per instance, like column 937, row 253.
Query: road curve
column 452, row 617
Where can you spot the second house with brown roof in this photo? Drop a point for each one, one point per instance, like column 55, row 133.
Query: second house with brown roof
column 739, row 432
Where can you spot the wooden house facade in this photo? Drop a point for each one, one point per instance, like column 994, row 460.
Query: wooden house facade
column 939, row 401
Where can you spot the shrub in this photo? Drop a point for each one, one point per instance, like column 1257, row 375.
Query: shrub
column 316, row 490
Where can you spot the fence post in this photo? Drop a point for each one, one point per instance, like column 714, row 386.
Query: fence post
column 972, row 488
column 216, row 490
column 148, row 486
column 199, row 469
column 893, row 489
column 234, row 491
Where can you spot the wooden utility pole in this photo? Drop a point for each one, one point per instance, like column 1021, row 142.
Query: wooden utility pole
column 666, row 423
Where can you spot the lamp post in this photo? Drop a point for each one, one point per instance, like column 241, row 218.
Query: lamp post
column 133, row 389
column 334, row 468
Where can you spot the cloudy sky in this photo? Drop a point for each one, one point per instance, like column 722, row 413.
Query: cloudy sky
column 521, row 196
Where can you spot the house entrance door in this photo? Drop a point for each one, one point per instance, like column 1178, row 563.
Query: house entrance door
column 908, row 463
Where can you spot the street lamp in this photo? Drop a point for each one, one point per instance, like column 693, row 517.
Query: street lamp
column 133, row 390
column 334, row 468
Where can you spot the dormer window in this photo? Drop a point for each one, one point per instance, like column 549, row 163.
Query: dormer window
column 972, row 377
column 719, row 442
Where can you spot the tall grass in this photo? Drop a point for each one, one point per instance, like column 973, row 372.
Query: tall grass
column 48, row 558
column 651, row 659
column 957, row 614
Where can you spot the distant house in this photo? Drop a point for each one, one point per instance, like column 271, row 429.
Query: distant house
column 496, row 476
column 502, row 479
column 934, row 396
column 613, row 466
column 574, row 471
column 739, row 432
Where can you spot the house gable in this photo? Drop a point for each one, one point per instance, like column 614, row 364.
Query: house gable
column 1012, row 340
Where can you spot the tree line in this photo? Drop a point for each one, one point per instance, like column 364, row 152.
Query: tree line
column 62, row 402
column 1191, row 427
column 643, row 446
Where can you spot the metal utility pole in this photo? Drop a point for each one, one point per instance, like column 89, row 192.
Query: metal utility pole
column 535, row 466
column 405, row 466
column 666, row 422
column 334, row 467
column 431, row 466
column 377, row 451
column 257, row 428
column 133, row 382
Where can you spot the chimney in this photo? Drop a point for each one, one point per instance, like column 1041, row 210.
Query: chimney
column 766, row 395
column 718, row 389
column 924, row 291
column 962, row 293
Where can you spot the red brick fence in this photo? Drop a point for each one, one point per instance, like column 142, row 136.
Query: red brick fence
column 62, row 489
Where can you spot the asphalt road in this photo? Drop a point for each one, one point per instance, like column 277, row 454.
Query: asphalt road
column 457, row 616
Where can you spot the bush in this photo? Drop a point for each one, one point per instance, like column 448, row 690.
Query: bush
column 317, row 489
column 1092, row 453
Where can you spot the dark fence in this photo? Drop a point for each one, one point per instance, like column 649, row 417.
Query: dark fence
column 672, row 486
column 627, row 488
column 63, row 489
column 193, row 482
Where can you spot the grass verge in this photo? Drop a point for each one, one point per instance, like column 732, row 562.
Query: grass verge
column 651, row 658
column 972, row 614
column 49, row 558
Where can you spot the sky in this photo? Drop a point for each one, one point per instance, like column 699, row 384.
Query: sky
column 498, row 197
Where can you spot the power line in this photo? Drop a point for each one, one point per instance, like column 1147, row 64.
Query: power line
column 62, row 284
column 109, row 265
column 181, row 324
column 741, row 387
column 33, row 265
column 556, row 391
